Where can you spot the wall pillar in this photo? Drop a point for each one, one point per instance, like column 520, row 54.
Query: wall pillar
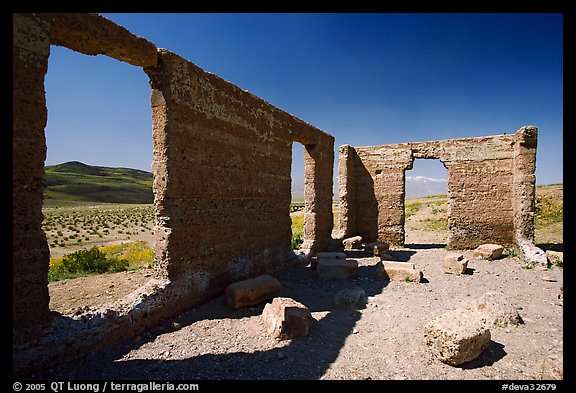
column 318, row 193
column 30, row 252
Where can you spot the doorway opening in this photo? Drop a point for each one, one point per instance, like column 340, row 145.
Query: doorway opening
column 426, row 203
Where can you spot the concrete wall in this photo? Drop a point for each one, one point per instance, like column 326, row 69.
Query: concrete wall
column 490, row 188
column 222, row 186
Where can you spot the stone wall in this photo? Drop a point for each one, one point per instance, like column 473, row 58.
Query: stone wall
column 490, row 188
column 222, row 186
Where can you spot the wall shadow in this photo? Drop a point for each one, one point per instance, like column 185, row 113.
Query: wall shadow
column 425, row 246
column 307, row 358
column 400, row 255
column 551, row 246
column 365, row 203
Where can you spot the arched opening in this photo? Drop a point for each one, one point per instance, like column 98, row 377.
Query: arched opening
column 98, row 202
column 426, row 203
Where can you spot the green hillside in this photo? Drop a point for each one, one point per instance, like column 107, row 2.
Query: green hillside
column 75, row 181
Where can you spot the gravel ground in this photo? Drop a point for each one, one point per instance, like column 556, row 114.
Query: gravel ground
column 384, row 340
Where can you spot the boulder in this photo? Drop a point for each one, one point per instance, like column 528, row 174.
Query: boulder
column 352, row 243
column 455, row 263
column 286, row 319
column 376, row 248
column 488, row 251
column 457, row 337
column 399, row 271
column 350, row 298
column 252, row 291
column 336, row 269
column 496, row 310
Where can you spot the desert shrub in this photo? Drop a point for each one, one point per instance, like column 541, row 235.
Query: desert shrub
column 297, row 240
column 84, row 262
column 137, row 254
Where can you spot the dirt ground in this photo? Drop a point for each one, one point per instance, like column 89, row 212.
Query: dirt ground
column 383, row 340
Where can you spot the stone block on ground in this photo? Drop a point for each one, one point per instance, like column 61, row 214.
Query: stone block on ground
column 252, row 291
column 455, row 263
column 286, row 319
column 303, row 257
column 336, row 269
column 376, row 248
column 352, row 243
column 496, row 310
column 488, row 251
column 457, row 337
column 350, row 298
column 326, row 255
column 400, row 271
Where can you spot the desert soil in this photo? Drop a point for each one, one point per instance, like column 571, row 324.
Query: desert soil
column 383, row 340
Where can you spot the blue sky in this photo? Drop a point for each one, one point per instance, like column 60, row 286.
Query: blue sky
column 367, row 79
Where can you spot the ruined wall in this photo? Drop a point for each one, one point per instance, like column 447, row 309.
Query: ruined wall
column 30, row 252
column 222, row 163
column 222, row 186
column 490, row 188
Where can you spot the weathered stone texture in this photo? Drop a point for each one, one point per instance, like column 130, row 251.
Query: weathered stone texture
column 221, row 166
column 250, row 292
column 496, row 310
column 286, row 319
column 336, row 269
column 239, row 149
column 350, row 298
column 457, row 337
column 455, row 263
column 30, row 253
column 488, row 251
column 400, row 271
column 376, row 248
column 352, row 243
column 490, row 189
column 93, row 34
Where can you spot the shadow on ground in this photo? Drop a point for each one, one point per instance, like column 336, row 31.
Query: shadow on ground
column 551, row 246
column 493, row 353
column 308, row 358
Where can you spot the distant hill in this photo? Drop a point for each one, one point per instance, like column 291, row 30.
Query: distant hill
column 76, row 181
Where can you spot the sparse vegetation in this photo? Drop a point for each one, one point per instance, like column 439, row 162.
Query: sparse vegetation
column 107, row 259
column 412, row 208
column 68, row 225
column 510, row 252
column 84, row 262
column 435, row 224
column 549, row 210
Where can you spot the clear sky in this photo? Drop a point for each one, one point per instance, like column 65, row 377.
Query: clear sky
column 367, row 79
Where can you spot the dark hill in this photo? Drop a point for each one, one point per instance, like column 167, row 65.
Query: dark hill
column 76, row 181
